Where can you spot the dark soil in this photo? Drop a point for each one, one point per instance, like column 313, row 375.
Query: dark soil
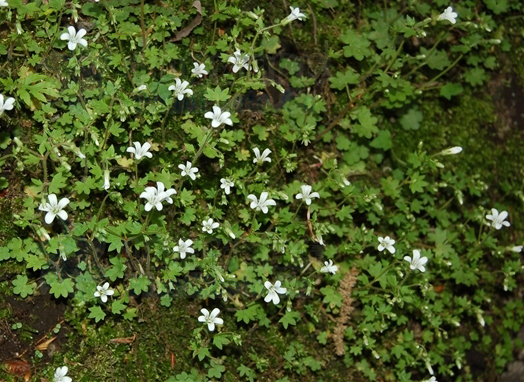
column 39, row 315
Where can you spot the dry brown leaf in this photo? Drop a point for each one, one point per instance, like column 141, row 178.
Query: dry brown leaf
column 27, row 376
column 18, row 367
column 192, row 25
column 31, row 191
column 123, row 340
column 44, row 345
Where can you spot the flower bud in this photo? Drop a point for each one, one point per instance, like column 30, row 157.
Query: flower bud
column 18, row 142
column 106, row 180
column 43, row 234
column 451, row 151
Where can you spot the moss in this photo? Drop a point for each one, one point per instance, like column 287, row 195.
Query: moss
column 7, row 229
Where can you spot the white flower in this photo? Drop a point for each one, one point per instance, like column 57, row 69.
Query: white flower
column 498, row 220
column 7, row 105
column 106, row 180
column 184, row 247
column 432, row 379
column 74, row 37
column 240, row 61
column 417, row 262
column 210, row 319
column 141, row 87
column 449, row 15
column 261, row 158
column 199, row 70
column 262, row 203
column 451, row 151
column 294, row 15
column 329, row 267
column 209, row 225
column 180, row 89
column 386, row 243
column 273, row 290
column 140, row 150
column 480, row 318
column 218, row 117
column 187, row 170
column 320, row 240
column 226, row 185
column 3, row 3
column 104, row 291
column 155, row 196
column 517, row 248
column 54, row 208
column 60, row 375
column 306, row 194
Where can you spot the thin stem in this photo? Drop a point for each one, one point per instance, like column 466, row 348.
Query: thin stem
column 385, row 270
column 54, row 36
column 430, row 52
column 164, row 122
column 443, row 72
column 394, row 58
column 404, row 279
column 142, row 25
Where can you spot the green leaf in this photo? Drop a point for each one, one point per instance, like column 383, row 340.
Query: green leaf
column 356, row 45
column 62, row 289
column 117, row 306
column 291, row 66
column 332, row 297
column 130, row 314
column 85, row 186
column 166, row 300
column 202, row 353
column 216, row 370
column 4, row 253
column 417, row 183
column 411, row 120
column 97, row 313
column 367, row 123
column 382, row 141
column 438, row 60
column 139, row 284
column 245, row 371
column 248, row 314
column 290, row 318
column 220, row 340
column 475, row 76
column 217, row 95
column 21, row 286
column 118, row 268
column 57, row 183
column 340, row 80
column 115, row 242
column 271, row 44
column 35, row 262
column 497, row 6
column 450, row 89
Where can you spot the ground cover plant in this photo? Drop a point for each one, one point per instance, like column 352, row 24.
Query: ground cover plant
column 237, row 191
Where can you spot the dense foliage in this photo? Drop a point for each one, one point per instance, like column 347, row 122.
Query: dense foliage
column 203, row 154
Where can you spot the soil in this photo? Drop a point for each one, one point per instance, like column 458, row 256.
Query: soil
column 39, row 315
